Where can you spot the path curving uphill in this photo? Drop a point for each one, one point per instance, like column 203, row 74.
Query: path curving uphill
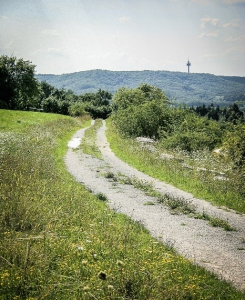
column 219, row 251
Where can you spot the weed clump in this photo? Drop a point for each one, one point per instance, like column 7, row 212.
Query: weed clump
column 111, row 175
column 177, row 204
column 101, row 197
column 215, row 221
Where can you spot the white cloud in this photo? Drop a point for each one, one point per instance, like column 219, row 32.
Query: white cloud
column 208, row 20
column 235, row 39
column 222, row 54
column 231, row 50
column 51, row 51
column 37, row 52
column 210, row 34
column 209, row 56
column 51, row 32
column 230, row 24
column 124, row 19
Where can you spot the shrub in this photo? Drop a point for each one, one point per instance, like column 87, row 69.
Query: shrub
column 234, row 143
column 77, row 109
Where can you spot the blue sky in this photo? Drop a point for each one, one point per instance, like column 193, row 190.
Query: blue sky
column 64, row 36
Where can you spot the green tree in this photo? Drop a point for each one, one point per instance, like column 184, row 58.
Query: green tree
column 102, row 98
column 46, row 90
column 18, row 87
column 140, row 111
column 124, row 97
column 77, row 109
column 51, row 104
column 153, row 93
column 97, row 104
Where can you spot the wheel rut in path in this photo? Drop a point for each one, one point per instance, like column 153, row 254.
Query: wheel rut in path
column 210, row 247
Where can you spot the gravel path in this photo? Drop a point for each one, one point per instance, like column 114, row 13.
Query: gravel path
column 211, row 247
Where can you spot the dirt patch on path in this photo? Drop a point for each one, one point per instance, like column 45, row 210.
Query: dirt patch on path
column 211, row 247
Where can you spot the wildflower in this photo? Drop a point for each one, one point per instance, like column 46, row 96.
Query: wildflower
column 86, row 288
column 79, row 248
column 110, row 287
column 120, row 263
column 102, row 275
column 84, row 262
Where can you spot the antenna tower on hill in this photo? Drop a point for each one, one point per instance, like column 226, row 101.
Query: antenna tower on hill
column 188, row 65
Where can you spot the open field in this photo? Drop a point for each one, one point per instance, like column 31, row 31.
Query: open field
column 58, row 241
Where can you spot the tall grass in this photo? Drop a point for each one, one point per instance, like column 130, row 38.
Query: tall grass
column 58, row 241
column 190, row 173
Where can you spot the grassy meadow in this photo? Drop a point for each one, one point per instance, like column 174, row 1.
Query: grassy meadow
column 58, row 241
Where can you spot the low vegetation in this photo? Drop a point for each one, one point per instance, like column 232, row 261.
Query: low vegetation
column 177, row 205
column 58, row 241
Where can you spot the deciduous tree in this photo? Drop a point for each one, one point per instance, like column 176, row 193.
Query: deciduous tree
column 18, row 87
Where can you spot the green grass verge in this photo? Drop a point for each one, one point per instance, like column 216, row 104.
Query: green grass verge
column 200, row 183
column 20, row 120
column 88, row 144
column 58, row 241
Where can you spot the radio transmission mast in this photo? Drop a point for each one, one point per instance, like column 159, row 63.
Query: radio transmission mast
column 188, row 65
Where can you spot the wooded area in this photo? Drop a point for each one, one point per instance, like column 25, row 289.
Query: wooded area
column 182, row 88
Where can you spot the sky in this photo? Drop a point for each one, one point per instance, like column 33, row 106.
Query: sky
column 66, row 36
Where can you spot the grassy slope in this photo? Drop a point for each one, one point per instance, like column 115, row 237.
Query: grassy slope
column 201, row 184
column 58, row 241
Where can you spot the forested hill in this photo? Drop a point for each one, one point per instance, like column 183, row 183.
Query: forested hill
column 189, row 89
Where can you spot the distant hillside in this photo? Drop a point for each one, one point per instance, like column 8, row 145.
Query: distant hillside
column 189, row 89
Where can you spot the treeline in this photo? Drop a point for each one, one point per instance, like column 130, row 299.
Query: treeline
column 232, row 113
column 67, row 103
column 19, row 89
